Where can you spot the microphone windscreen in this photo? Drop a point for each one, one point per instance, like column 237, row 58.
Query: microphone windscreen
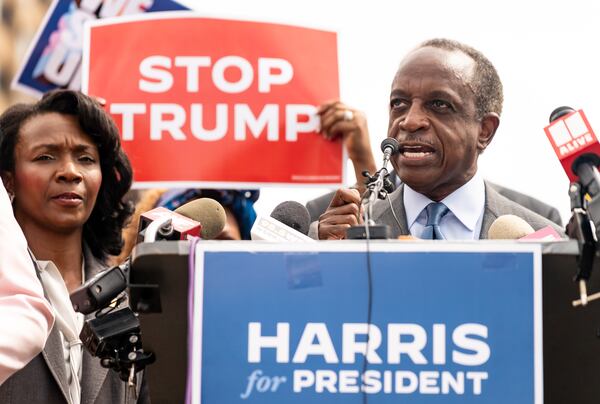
column 391, row 143
column 292, row 214
column 560, row 112
column 509, row 227
column 208, row 212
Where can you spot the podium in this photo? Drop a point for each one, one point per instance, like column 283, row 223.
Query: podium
column 571, row 348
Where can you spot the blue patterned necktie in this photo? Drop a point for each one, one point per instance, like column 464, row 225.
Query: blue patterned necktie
column 435, row 213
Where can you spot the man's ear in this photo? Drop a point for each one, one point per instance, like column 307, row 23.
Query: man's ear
column 489, row 125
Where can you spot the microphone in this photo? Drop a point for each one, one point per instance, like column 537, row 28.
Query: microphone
column 378, row 187
column 578, row 150
column 202, row 217
column 509, row 227
column 576, row 146
column 162, row 224
column 209, row 213
column 389, row 147
column 289, row 222
column 292, row 214
column 379, row 184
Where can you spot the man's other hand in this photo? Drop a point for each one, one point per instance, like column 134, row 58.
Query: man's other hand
column 343, row 212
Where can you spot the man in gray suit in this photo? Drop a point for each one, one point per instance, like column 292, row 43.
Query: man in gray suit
column 316, row 207
column 445, row 106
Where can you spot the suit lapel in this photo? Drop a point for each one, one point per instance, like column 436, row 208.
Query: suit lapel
column 93, row 374
column 383, row 214
column 490, row 211
column 398, row 204
column 53, row 352
column 55, row 359
column 93, row 378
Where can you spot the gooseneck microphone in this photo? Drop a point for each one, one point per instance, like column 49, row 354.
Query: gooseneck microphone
column 389, row 147
column 378, row 187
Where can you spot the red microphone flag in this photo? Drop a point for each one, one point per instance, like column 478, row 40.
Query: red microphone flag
column 571, row 136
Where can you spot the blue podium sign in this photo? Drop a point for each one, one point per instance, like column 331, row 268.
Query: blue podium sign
column 411, row 322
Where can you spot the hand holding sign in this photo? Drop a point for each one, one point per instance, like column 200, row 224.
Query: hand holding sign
column 338, row 120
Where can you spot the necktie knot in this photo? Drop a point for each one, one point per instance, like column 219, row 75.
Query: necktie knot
column 435, row 212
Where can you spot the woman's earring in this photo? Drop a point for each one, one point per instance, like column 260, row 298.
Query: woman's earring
column 11, row 197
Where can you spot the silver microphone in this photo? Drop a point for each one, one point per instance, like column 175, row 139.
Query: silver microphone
column 389, row 147
column 376, row 187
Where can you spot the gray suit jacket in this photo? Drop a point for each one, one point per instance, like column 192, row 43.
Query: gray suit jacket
column 531, row 203
column 44, row 379
column 495, row 205
column 317, row 206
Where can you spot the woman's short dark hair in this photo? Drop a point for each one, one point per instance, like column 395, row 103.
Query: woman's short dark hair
column 102, row 231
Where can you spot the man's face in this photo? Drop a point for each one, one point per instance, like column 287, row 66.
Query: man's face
column 433, row 117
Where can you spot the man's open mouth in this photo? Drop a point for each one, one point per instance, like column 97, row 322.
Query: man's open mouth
column 416, row 151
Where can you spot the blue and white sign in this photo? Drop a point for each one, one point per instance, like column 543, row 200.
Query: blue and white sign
column 422, row 322
column 54, row 58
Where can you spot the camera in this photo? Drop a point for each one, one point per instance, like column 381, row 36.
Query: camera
column 113, row 334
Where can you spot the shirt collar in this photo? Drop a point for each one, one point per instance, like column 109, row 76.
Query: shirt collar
column 466, row 203
column 414, row 203
column 43, row 265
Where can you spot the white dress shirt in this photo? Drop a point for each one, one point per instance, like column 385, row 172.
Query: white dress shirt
column 69, row 325
column 462, row 222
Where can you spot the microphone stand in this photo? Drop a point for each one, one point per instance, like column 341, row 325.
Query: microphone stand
column 579, row 228
column 583, row 215
column 378, row 187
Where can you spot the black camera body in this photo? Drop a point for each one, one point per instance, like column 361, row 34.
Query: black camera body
column 99, row 291
column 113, row 334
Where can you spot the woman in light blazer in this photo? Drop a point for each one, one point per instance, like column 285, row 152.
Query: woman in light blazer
column 62, row 161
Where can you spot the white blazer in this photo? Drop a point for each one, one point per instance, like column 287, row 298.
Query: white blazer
column 25, row 316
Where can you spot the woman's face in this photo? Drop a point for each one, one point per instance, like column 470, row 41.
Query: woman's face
column 57, row 174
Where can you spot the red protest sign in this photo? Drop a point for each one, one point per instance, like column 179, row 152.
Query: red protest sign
column 211, row 101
